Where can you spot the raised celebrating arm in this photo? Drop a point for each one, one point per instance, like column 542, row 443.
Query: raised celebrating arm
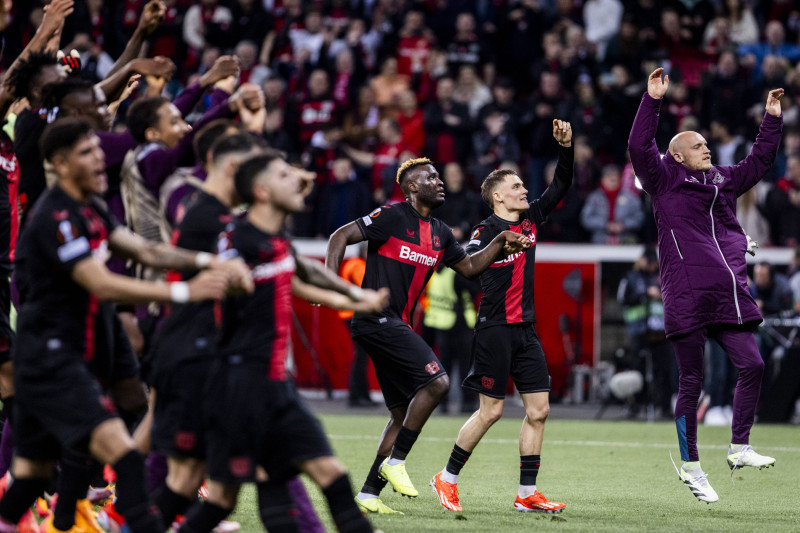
column 765, row 148
column 645, row 158
column 555, row 192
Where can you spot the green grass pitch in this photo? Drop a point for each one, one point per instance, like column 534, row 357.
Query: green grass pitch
column 613, row 476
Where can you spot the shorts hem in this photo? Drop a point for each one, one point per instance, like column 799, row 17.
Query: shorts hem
column 481, row 391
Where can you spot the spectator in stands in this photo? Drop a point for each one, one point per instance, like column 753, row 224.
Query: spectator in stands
column 207, row 23
column 274, row 91
column 563, row 222
column 493, row 144
column 728, row 148
column 386, row 154
column 465, row 46
column 250, row 20
column 251, row 71
column 414, row 45
column 602, row 19
column 342, row 200
column 315, row 112
column 783, row 205
column 749, row 213
column 742, row 24
column 546, row 103
column 275, row 131
column 411, row 120
column 724, row 92
column 774, row 44
column 461, row 210
column 389, row 83
column 361, row 121
column 611, row 214
column 587, row 168
column 310, row 37
column 471, row 91
column 447, row 125
column 794, row 278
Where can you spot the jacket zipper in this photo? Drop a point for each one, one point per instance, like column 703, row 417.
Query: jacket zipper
column 676, row 244
column 714, row 236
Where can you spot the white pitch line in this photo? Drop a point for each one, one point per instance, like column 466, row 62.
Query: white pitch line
column 595, row 443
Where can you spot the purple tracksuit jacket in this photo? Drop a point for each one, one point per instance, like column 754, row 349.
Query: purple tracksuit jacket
column 701, row 244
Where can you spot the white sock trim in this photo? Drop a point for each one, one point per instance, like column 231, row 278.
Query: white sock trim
column 393, row 462
column 365, row 496
column 526, row 490
column 448, row 477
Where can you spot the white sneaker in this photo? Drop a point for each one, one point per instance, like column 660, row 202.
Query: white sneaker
column 697, row 481
column 715, row 416
column 747, row 456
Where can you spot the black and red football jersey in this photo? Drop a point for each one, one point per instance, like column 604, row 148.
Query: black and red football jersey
column 404, row 249
column 507, row 284
column 57, row 314
column 190, row 329
column 257, row 327
column 9, row 218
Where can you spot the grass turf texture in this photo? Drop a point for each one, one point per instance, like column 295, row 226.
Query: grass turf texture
column 613, row 476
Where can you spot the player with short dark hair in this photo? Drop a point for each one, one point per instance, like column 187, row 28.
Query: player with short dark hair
column 506, row 343
column 185, row 347
column 405, row 245
column 66, row 322
column 274, row 430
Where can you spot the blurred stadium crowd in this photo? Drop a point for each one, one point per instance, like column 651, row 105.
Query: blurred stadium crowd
column 355, row 87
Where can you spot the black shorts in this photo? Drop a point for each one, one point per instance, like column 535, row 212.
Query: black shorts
column 57, row 410
column 404, row 363
column 507, row 350
column 6, row 333
column 254, row 421
column 179, row 415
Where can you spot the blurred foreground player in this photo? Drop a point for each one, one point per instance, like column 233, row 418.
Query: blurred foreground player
column 66, row 320
column 405, row 246
column 703, row 268
column 254, row 397
column 506, row 343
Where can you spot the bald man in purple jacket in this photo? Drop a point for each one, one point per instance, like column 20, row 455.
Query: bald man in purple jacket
column 703, row 268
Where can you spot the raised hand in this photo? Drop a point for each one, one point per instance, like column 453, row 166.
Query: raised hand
column 223, row 67
column 562, row 132
column 774, row 102
column 208, row 285
column 152, row 15
column 158, row 67
column 656, row 87
column 54, row 15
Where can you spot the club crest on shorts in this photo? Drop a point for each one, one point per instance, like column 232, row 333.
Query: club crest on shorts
column 717, row 178
column 432, row 368
column 487, row 382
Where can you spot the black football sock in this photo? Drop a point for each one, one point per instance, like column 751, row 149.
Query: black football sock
column 276, row 508
column 374, row 483
column 344, row 511
column 458, row 457
column 403, row 443
column 171, row 504
column 72, row 485
column 132, row 500
column 20, row 496
column 204, row 518
column 528, row 469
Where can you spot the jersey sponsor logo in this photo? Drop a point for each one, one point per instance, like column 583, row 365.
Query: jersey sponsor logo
column 487, row 382
column 510, row 259
column 432, row 368
column 73, row 249
column 717, row 178
column 267, row 271
column 416, row 257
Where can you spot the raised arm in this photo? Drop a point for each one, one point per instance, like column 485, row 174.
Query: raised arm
column 473, row 265
column 369, row 301
column 762, row 155
column 126, row 244
column 555, row 192
column 339, row 240
column 314, row 273
column 645, row 157
column 152, row 15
